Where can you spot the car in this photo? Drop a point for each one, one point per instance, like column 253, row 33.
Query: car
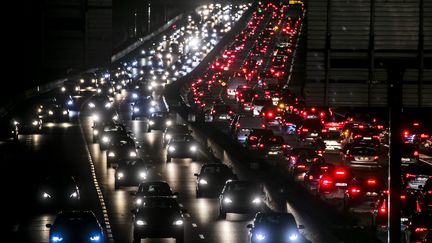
column 409, row 153
column 363, row 191
column 244, row 125
column 310, row 129
column 58, row 191
column 131, row 172
column 334, row 182
column 362, row 156
column 152, row 189
column 414, row 176
column 159, row 121
column 53, row 110
column 158, row 217
column 113, row 136
column 182, row 146
column 122, row 149
column 100, row 102
column 212, row 178
column 27, row 120
column 221, row 112
column 239, row 196
column 428, row 237
column 274, row 227
column 418, row 226
column 272, row 147
column 143, row 107
column 255, row 135
column 105, row 116
column 180, row 129
column 8, row 129
column 76, row 226
column 300, row 159
column 425, row 196
column 313, row 175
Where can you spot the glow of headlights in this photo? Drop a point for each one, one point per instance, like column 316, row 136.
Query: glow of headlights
column 151, row 122
column 111, row 154
column 92, row 105
column 260, row 236
column 50, row 112
column 143, row 175
column 107, row 105
column 171, row 148
column 153, row 103
column 15, row 123
column 135, row 96
column 193, row 148
column 70, row 102
column 178, row 222
column 115, row 117
column 57, row 238
column 141, row 222
column 46, row 195
column 132, row 154
column 35, row 123
column 227, row 200
column 168, row 123
column 95, row 238
column 120, row 175
column 95, row 118
column 293, row 237
column 65, row 112
column 203, row 182
column 138, row 201
column 168, row 137
column 63, row 89
column 105, row 139
column 152, row 109
column 136, row 109
column 256, row 201
column 81, row 80
column 77, row 88
column 74, row 195
column 98, row 90
column 95, row 132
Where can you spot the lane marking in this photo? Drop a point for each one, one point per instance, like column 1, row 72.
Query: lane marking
column 201, row 236
column 96, row 185
column 194, row 225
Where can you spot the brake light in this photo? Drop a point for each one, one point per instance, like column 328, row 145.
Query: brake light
column 424, row 135
column 376, row 137
column 311, row 177
column 237, row 124
column 263, row 126
column 340, row 172
column 322, row 114
column 405, row 133
column 416, row 153
column 416, row 124
column 354, row 191
column 261, row 145
column 293, row 158
column 301, row 166
column 324, row 167
column 371, row 182
column 403, row 197
column 305, row 130
column 361, row 126
column 429, row 192
column 270, row 114
column 284, row 146
column 326, row 182
column 418, row 230
column 383, row 208
column 324, row 130
column 408, row 175
column 376, row 158
column 253, row 138
column 357, row 136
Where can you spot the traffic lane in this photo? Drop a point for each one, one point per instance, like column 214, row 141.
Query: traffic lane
column 58, row 150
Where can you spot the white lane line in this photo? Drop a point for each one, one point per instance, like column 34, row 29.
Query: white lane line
column 194, row 225
column 201, row 236
column 98, row 190
column 425, row 161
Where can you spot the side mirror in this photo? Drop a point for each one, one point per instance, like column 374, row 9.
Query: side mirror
column 196, row 174
column 301, row 226
column 48, row 225
column 249, row 226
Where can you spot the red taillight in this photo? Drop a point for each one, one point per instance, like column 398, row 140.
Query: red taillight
column 357, row 136
column 324, row 167
column 424, row 135
column 418, row 230
column 261, row 145
column 375, row 137
column 311, row 177
column 305, row 130
column 270, row 114
column 340, row 172
column 354, row 191
column 237, row 124
column 324, row 130
column 371, row 182
column 408, row 175
column 293, row 158
column 322, row 114
column 326, row 182
column 376, row 157
column 403, row 197
column 383, row 208
column 284, row 146
column 263, row 125
column 405, row 133
column 429, row 192
column 416, row 153
column 301, row 166
column 253, row 138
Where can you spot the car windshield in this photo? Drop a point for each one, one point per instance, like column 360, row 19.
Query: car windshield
column 215, row 170
column 182, row 138
column 241, row 186
column 155, row 189
column 166, row 203
column 82, row 219
column 278, row 219
column 363, row 151
column 159, row 115
column 113, row 128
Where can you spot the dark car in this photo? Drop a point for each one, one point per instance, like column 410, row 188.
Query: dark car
column 314, row 174
column 103, row 131
column 240, row 197
column 158, row 217
column 100, row 102
column 418, row 226
column 122, row 149
column 409, row 153
column 76, row 226
column 27, row 121
column 275, row 227
column 159, row 121
column 105, row 116
column 255, row 135
column 130, row 172
column 143, row 107
column 425, row 196
column 272, row 147
column 362, row 156
column 53, row 110
column 363, row 191
column 183, row 146
column 310, row 129
column 152, row 189
column 212, row 178
column 59, row 191
column 414, row 176
column 300, row 159
column 8, row 129
column 175, row 130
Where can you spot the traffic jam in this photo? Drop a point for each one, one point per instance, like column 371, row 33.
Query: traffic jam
column 337, row 155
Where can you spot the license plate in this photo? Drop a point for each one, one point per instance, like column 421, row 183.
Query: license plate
column 332, row 128
column 406, row 159
column 272, row 153
column 341, row 184
column 314, row 134
column 330, row 148
column 367, row 138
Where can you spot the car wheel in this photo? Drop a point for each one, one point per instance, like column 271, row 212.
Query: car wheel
column 222, row 214
column 168, row 159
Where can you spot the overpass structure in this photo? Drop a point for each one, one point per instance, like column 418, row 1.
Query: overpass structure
column 354, row 47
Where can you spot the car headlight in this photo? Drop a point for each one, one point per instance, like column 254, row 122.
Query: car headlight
column 138, row 201
column 63, row 89
column 77, row 88
column 143, row 174
column 111, row 154
column 193, row 148
column 141, row 222
column 151, row 122
column 171, row 148
column 81, row 80
column 260, row 236
column 50, row 112
column 105, row 139
column 35, row 123
column 46, row 195
column 120, row 175
column 136, row 109
column 98, row 90
column 203, row 182
column 91, row 105
column 168, row 123
column 168, row 136
column 152, row 109
column 133, row 154
column 73, row 195
column 65, row 112
column 178, row 222
column 135, row 96
column 115, row 118
column 15, row 123
column 256, row 200
column 57, row 238
column 95, row 117
column 95, row 237
column 108, row 105
column 70, row 102
column 227, row 200
column 39, row 110
column 293, row 237
column 153, row 103
column 95, row 132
